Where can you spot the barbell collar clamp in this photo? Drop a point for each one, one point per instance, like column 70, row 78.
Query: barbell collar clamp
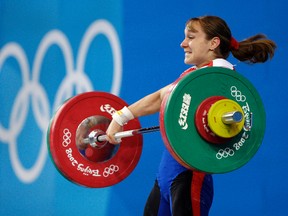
column 232, row 117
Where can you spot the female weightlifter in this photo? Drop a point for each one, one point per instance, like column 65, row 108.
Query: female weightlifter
column 208, row 42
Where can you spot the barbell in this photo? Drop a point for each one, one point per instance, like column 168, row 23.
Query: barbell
column 211, row 120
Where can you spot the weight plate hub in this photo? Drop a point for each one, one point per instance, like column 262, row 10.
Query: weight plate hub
column 217, row 110
column 97, row 169
column 179, row 132
column 201, row 121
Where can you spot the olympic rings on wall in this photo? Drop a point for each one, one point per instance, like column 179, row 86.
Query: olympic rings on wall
column 32, row 87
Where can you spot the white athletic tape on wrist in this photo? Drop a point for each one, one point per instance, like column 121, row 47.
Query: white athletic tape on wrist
column 127, row 113
column 123, row 116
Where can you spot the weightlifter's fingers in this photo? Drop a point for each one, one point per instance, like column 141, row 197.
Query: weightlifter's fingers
column 113, row 128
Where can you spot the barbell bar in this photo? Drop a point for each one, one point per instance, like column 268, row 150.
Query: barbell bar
column 97, row 138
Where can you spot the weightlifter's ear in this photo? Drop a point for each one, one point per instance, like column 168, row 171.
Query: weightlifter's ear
column 214, row 43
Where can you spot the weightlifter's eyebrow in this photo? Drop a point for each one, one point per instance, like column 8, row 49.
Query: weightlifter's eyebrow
column 191, row 29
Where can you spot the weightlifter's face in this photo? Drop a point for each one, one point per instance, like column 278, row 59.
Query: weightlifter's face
column 197, row 48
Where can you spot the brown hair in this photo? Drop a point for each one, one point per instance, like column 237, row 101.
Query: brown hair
column 252, row 50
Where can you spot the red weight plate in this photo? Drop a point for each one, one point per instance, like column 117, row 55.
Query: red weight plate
column 102, row 154
column 71, row 162
column 201, row 121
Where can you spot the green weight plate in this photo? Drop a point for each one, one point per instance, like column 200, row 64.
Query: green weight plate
column 180, row 134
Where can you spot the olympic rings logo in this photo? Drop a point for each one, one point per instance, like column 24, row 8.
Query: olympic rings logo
column 110, row 170
column 237, row 94
column 224, row 153
column 32, row 88
column 66, row 137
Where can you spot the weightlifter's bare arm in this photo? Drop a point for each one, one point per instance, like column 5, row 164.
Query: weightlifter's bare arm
column 148, row 105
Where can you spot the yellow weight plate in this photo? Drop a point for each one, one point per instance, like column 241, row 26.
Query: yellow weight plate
column 215, row 113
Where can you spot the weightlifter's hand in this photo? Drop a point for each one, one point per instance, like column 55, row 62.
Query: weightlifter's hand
column 113, row 128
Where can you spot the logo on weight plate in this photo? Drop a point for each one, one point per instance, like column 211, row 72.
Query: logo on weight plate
column 66, row 137
column 224, row 153
column 107, row 108
column 237, row 94
column 184, row 111
column 110, row 170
